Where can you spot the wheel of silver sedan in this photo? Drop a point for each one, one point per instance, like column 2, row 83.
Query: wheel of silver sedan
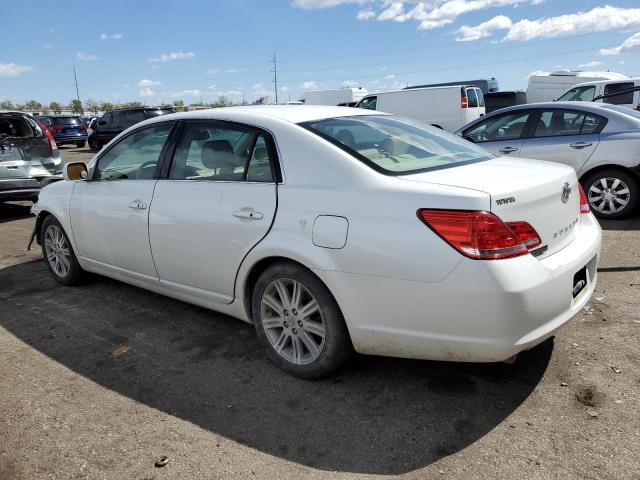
column 609, row 195
column 57, row 251
column 292, row 321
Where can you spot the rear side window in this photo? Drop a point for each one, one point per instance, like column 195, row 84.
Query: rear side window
column 555, row 123
column 503, row 127
column 592, row 124
column 622, row 98
column 472, row 98
column 105, row 118
column 116, row 118
column 134, row 116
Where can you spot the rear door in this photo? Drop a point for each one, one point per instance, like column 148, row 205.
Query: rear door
column 502, row 134
column 563, row 136
column 475, row 105
column 215, row 202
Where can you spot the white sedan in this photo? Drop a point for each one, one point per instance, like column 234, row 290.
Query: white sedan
column 331, row 230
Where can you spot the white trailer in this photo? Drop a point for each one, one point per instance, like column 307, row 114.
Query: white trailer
column 336, row 96
column 548, row 86
column 449, row 107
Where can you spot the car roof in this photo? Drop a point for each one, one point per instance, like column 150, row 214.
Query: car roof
column 258, row 113
column 594, row 107
column 604, row 82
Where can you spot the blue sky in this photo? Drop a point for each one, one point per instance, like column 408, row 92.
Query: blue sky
column 160, row 51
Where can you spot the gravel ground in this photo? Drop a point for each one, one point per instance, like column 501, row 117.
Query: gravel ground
column 99, row 381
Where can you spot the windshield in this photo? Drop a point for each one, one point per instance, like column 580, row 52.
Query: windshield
column 394, row 145
column 579, row 94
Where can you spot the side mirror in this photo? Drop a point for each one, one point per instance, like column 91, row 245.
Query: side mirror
column 75, row 171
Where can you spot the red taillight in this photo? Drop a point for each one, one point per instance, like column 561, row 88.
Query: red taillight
column 55, row 129
column 83, row 128
column 584, row 202
column 52, row 143
column 464, row 103
column 475, row 234
column 526, row 233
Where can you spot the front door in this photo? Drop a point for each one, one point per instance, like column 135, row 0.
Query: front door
column 218, row 202
column 109, row 213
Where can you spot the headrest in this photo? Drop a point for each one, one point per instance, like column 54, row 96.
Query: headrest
column 218, row 154
column 346, row 137
column 261, row 154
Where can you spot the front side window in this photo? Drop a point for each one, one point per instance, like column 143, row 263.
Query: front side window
column 134, row 157
column 504, row 127
column 396, row 145
column 622, row 98
column 368, row 103
column 221, row 153
column 106, row 119
column 556, row 123
column 579, row 94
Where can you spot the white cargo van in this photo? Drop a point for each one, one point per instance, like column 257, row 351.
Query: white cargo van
column 448, row 107
column 546, row 87
column 333, row 97
column 625, row 93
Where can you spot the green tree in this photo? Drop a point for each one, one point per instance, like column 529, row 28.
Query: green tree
column 106, row 106
column 222, row 101
column 6, row 105
column 76, row 106
column 33, row 105
column 19, row 107
column 55, row 107
column 91, row 106
column 179, row 105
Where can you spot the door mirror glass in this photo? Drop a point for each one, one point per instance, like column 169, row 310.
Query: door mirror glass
column 75, row 171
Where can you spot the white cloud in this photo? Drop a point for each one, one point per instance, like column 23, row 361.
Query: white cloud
column 13, row 69
column 365, row 15
column 309, row 85
column 193, row 92
column 393, row 10
column 468, row 34
column 147, row 92
column 86, row 56
column 599, row 19
column 631, row 43
column 149, row 83
column 115, row 36
column 536, row 73
column 595, row 63
column 168, row 57
column 391, row 76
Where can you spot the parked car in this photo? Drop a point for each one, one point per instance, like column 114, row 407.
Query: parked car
column 625, row 93
column 600, row 142
column 545, row 87
column 115, row 122
column 448, row 108
column 67, row 129
column 331, row 229
column 496, row 100
column 28, row 155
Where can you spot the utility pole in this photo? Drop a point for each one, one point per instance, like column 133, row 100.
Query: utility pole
column 75, row 81
column 275, row 75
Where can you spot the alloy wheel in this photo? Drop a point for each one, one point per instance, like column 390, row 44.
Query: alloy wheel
column 292, row 321
column 608, row 195
column 57, row 251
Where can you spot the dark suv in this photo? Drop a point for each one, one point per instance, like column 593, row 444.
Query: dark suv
column 116, row 121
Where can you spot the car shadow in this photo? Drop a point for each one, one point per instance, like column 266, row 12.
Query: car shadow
column 631, row 223
column 378, row 416
column 10, row 211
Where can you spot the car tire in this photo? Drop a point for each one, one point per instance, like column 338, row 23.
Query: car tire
column 620, row 190
column 305, row 339
column 81, row 144
column 58, row 253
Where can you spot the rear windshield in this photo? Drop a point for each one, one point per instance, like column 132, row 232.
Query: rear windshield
column 67, row 121
column 157, row 113
column 395, row 145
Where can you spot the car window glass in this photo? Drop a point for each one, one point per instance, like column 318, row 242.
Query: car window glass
column 579, row 94
column 134, row 116
column 472, row 98
column 480, row 97
column 67, row 121
column 558, row 122
column 368, row 103
column 211, row 152
column 592, row 124
column 259, row 168
column 117, row 118
column 135, row 156
column 106, row 118
column 623, row 98
column 503, row 127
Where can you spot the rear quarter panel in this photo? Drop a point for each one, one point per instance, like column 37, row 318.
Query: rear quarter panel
column 622, row 149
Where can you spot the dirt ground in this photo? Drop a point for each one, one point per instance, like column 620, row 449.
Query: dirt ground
column 99, row 381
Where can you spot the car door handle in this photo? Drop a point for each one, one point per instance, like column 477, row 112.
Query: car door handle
column 579, row 145
column 138, row 204
column 249, row 213
column 508, row 149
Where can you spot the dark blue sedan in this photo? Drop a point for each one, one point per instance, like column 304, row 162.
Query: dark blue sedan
column 67, row 130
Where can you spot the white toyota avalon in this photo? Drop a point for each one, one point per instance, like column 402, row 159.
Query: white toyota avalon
column 331, row 230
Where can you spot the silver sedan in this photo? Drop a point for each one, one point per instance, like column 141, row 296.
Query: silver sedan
column 600, row 141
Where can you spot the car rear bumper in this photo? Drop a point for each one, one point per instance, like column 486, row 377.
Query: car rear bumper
column 484, row 311
column 70, row 138
column 19, row 189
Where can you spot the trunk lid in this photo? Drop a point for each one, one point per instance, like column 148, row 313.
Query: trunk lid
column 544, row 194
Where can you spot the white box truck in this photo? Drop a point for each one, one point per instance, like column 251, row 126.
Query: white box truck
column 449, row 107
column 337, row 96
column 546, row 87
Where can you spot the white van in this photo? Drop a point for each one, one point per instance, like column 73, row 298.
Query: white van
column 625, row 93
column 336, row 96
column 448, row 107
column 546, row 87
